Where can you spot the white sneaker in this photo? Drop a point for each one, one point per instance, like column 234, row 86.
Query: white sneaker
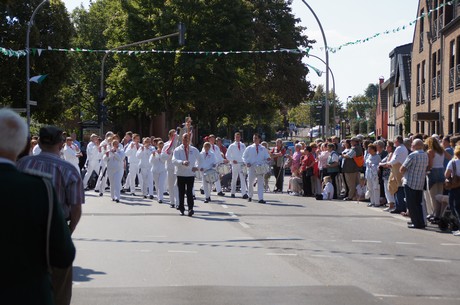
column 456, row 233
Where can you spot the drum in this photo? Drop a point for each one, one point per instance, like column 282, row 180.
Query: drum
column 262, row 169
column 224, row 169
column 210, row 176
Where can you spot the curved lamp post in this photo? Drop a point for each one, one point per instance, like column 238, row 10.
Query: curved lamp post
column 29, row 26
column 326, row 112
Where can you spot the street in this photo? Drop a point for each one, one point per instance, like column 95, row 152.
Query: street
column 292, row 250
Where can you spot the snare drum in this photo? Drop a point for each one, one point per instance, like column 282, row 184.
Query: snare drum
column 262, row 169
column 210, row 175
column 224, row 169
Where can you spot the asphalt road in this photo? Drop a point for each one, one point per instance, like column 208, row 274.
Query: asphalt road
column 292, row 250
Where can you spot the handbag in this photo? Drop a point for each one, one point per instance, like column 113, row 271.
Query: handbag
column 452, row 182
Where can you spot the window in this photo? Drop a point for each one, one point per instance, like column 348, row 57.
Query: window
column 422, row 29
column 451, row 119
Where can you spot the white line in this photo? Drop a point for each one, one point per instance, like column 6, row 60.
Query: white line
column 432, row 260
column 281, row 254
column 232, row 214
column 178, row 251
column 326, row 256
column 144, row 250
column 244, row 225
column 450, row 244
column 405, row 243
column 366, row 241
column 224, row 206
column 380, row 258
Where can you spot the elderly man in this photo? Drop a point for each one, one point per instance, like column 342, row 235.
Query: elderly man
column 397, row 159
column 414, row 171
column 31, row 222
column 69, row 187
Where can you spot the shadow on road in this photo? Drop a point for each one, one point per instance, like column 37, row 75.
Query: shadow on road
column 84, row 275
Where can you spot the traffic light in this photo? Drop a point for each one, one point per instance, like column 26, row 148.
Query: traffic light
column 319, row 114
column 103, row 113
column 181, row 34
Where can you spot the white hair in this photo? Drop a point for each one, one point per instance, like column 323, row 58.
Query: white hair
column 13, row 132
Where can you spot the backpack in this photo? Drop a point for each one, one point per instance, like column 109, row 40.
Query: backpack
column 359, row 160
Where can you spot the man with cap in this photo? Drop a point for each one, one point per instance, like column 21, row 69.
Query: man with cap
column 24, row 216
column 93, row 160
column 68, row 184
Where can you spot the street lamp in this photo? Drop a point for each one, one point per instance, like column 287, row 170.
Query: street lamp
column 326, row 110
column 29, row 26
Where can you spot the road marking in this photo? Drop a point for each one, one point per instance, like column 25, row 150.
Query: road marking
column 179, row 251
column 450, row 244
column 144, row 250
column 224, row 206
column 366, row 241
column 432, row 260
column 380, row 258
column 244, row 225
column 405, row 243
column 281, row 254
column 326, row 256
column 232, row 214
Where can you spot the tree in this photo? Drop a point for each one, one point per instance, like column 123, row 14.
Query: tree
column 52, row 27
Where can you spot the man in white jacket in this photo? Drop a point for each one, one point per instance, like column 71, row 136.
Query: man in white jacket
column 167, row 155
column 131, row 152
column 235, row 157
column 256, row 156
column 186, row 158
column 93, row 160
column 207, row 162
column 143, row 153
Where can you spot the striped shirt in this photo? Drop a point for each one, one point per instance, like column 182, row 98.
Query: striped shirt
column 66, row 179
column 416, row 164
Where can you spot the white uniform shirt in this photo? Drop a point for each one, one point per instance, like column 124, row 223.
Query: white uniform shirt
column 255, row 155
column 70, row 154
column 131, row 153
column 234, row 153
column 207, row 160
column 92, row 153
column 180, row 156
column 168, row 150
column 143, row 153
column 115, row 160
column 158, row 163
column 216, row 150
column 37, row 150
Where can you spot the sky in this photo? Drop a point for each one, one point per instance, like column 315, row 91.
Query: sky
column 355, row 66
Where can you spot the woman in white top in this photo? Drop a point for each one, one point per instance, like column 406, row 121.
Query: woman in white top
column 115, row 158
column 454, row 194
column 159, row 171
column 436, row 155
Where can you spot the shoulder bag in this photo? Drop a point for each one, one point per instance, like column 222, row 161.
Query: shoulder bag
column 452, row 182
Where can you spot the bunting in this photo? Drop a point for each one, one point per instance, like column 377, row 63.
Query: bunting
column 19, row 53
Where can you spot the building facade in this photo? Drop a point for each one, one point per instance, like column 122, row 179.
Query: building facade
column 435, row 68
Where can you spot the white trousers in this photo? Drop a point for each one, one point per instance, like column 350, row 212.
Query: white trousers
column 373, row 187
column 237, row 172
column 115, row 183
column 160, row 179
column 102, row 179
column 92, row 166
column 131, row 178
column 147, row 181
column 260, row 183
column 172, row 187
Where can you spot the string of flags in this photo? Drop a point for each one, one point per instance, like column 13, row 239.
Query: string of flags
column 20, row 53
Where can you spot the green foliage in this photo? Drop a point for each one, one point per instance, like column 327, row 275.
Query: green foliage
column 52, row 27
